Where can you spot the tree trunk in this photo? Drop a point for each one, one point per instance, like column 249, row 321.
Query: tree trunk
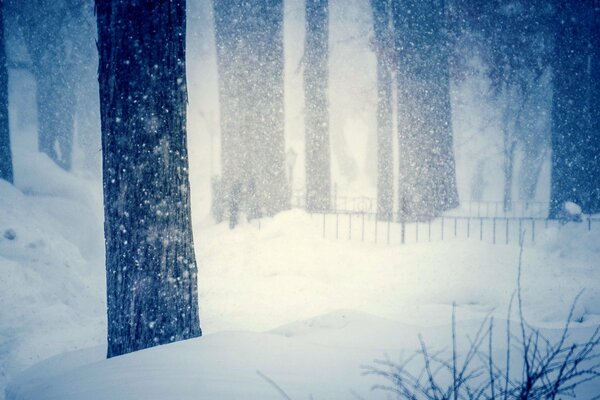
column 427, row 179
column 56, row 112
column 384, row 49
column 316, row 71
column 87, row 108
column 150, row 263
column 48, row 29
column 509, row 160
column 575, row 144
column 249, row 37
column 6, row 166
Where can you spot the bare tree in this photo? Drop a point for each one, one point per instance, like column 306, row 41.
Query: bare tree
column 546, row 369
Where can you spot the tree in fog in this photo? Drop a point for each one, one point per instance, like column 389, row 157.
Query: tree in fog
column 48, row 29
column 150, row 263
column 517, row 47
column 249, row 39
column 85, row 91
column 576, row 108
column 384, row 51
column 6, row 167
column 316, row 71
column 427, row 176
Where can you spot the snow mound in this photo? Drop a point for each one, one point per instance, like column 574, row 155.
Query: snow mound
column 316, row 358
column 51, row 291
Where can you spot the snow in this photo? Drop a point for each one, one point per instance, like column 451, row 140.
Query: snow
column 52, row 288
column 572, row 208
column 304, row 310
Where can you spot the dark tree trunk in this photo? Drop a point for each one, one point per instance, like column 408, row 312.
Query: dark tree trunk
column 427, row 180
column 316, row 71
column 6, row 166
column 150, row 263
column 384, row 49
column 249, row 37
column 575, row 126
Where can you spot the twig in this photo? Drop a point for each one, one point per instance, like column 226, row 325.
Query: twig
column 275, row 385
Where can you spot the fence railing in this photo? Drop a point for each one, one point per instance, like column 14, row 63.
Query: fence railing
column 366, row 227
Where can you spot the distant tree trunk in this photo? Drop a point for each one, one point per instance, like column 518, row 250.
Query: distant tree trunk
column 87, row 127
column 150, row 263
column 531, row 171
column 249, row 37
column 49, row 29
column 56, row 114
column 384, row 49
column 509, row 161
column 316, row 71
column 87, row 108
column 575, row 143
column 427, row 176
column 6, row 166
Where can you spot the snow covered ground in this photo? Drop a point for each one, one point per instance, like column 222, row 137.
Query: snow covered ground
column 279, row 302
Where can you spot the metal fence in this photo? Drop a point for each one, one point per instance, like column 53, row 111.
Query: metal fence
column 355, row 218
column 366, row 227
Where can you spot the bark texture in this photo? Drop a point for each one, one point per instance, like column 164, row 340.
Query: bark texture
column 150, row 263
column 575, row 108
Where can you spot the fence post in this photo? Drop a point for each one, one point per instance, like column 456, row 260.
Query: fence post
column 402, row 231
column 323, row 224
column 388, row 231
column 507, row 230
column 349, row 226
column 363, row 226
column 442, row 229
column 429, row 229
column 532, row 230
column 494, row 230
column 589, row 223
column 454, row 226
column 417, row 231
column 520, row 226
column 376, row 228
column 468, row 227
column 480, row 228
